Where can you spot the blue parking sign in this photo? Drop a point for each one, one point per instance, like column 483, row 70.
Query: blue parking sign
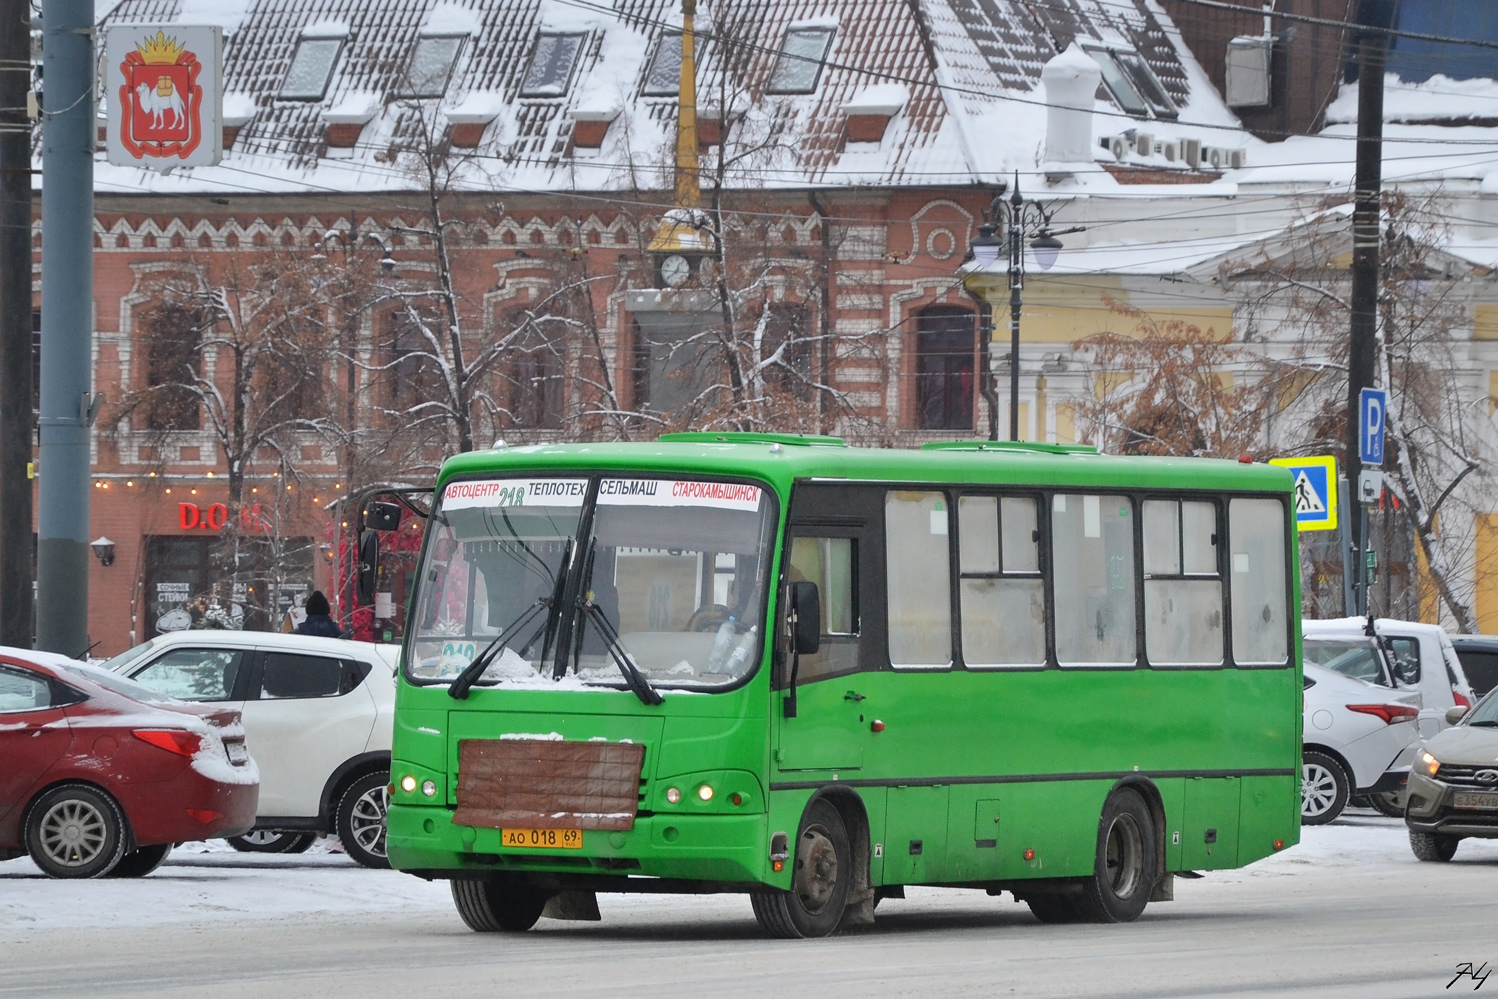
column 1373, row 406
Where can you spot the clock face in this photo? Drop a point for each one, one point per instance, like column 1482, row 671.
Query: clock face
column 675, row 270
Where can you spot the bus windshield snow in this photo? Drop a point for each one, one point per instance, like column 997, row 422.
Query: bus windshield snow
column 575, row 582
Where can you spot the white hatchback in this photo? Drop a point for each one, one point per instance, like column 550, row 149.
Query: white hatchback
column 318, row 718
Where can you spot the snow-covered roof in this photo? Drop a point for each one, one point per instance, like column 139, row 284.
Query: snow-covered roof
column 968, row 71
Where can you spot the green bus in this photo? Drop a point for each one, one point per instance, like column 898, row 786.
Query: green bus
column 816, row 674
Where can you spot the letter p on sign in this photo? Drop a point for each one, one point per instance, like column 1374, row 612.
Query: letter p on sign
column 1372, row 405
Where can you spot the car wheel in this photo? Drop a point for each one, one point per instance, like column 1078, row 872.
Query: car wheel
column 1433, row 846
column 139, row 863
column 361, row 819
column 1127, row 856
column 1053, row 908
column 1390, row 803
column 821, row 876
column 1323, row 789
column 269, row 841
column 75, row 831
column 502, row 903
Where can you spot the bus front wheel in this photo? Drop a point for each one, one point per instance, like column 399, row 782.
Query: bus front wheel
column 819, row 886
column 504, row 903
column 1127, row 862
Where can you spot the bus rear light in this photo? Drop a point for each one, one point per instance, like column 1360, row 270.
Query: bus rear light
column 1029, row 854
column 1390, row 713
column 408, row 784
column 673, row 795
column 1279, row 844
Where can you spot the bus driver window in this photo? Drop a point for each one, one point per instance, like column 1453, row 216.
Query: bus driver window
column 831, row 563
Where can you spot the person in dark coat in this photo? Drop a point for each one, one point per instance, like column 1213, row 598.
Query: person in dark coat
column 319, row 618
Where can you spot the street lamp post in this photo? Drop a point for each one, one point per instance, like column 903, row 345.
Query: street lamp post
column 1021, row 219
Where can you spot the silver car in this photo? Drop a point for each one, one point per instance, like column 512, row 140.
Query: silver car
column 1453, row 790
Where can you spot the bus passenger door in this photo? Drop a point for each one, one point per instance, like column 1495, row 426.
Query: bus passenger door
column 830, row 729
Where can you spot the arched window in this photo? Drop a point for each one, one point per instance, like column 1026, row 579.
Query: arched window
column 945, row 368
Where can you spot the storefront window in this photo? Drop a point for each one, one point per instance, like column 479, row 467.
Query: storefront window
column 188, row 584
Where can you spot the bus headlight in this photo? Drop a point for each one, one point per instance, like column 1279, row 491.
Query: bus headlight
column 408, row 783
column 429, row 788
column 673, row 795
column 705, row 792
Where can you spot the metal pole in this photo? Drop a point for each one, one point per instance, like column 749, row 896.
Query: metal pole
column 1365, row 239
column 1016, row 287
column 17, row 421
column 1347, row 504
column 67, row 325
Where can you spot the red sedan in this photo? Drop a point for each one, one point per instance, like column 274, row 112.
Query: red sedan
column 100, row 775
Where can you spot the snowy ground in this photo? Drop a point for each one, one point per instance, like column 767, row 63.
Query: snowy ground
column 1349, row 913
column 202, row 882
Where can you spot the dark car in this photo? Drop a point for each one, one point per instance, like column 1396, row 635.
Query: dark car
column 1479, row 656
column 1453, row 793
column 99, row 775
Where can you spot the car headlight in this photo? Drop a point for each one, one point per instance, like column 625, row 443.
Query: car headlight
column 1429, row 763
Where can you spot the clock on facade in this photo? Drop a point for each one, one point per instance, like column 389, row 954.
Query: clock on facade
column 675, row 270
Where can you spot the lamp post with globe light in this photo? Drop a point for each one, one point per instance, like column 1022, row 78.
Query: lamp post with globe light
column 1020, row 219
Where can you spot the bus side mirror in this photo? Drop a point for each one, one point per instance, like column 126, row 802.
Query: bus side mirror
column 369, row 567
column 382, row 516
column 806, row 618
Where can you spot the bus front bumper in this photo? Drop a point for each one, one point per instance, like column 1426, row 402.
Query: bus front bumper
column 719, row 848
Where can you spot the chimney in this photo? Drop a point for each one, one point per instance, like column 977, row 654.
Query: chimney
column 1071, row 81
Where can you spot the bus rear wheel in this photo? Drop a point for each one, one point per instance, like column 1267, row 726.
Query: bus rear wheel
column 1127, row 862
column 504, row 903
column 819, row 885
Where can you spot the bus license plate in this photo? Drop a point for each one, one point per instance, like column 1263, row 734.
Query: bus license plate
column 1467, row 800
column 546, row 839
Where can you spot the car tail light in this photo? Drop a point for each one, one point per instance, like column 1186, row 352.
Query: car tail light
column 205, row 815
column 1461, row 699
column 171, row 740
column 1390, row 713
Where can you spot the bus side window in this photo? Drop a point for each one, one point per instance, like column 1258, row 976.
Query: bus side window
column 831, row 563
column 1259, row 581
column 1003, row 594
column 918, row 581
column 1182, row 584
column 1092, row 545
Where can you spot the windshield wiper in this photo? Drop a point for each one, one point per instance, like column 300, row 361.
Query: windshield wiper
column 633, row 678
column 460, row 686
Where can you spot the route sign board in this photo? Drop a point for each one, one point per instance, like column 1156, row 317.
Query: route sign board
column 1372, row 405
column 1315, row 491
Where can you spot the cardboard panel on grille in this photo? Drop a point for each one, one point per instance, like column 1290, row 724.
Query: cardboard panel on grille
column 541, row 784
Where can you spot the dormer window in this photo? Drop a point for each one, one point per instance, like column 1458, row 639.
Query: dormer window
column 1131, row 82
column 799, row 66
column 663, row 79
column 311, row 68
column 432, row 62
column 551, row 65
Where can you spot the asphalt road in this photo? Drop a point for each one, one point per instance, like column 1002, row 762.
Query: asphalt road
column 1349, row 913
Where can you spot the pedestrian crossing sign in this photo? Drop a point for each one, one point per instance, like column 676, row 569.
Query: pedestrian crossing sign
column 1315, row 491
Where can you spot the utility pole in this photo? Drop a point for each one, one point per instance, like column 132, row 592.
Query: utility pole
column 67, row 325
column 16, row 418
column 1372, row 49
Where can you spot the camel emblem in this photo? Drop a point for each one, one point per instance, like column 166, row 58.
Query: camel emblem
column 160, row 100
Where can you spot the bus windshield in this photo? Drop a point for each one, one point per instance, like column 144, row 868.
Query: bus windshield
column 573, row 581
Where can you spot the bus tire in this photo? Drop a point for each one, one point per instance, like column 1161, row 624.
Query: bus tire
column 821, row 875
column 1053, row 908
column 504, row 903
column 1324, row 788
column 1125, row 872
